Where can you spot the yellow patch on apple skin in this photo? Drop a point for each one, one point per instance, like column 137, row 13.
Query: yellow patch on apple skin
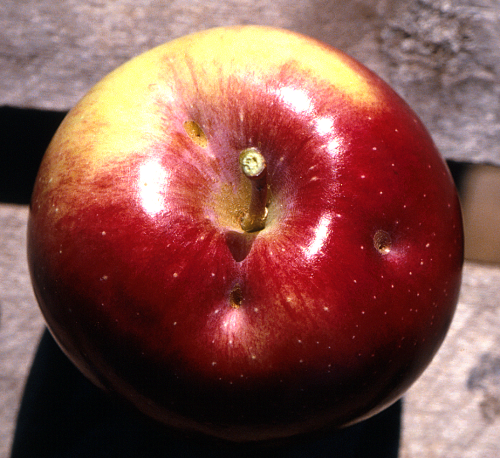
column 261, row 51
column 118, row 116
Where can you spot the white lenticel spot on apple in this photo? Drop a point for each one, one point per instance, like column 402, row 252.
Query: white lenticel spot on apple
column 174, row 323
column 326, row 309
column 103, row 233
column 214, row 363
column 175, row 275
column 363, row 176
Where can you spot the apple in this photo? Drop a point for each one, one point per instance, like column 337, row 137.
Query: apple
column 246, row 233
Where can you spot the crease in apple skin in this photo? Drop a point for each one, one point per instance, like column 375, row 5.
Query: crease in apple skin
column 325, row 316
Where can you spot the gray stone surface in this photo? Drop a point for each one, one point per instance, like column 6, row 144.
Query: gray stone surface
column 21, row 323
column 442, row 56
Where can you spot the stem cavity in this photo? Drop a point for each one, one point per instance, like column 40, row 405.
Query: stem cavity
column 254, row 167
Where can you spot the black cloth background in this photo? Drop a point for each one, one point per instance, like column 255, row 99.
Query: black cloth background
column 63, row 415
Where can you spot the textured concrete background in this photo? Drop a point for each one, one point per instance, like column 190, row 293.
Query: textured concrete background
column 443, row 56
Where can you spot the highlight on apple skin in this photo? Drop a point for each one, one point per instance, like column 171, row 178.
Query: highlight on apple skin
column 246, row 233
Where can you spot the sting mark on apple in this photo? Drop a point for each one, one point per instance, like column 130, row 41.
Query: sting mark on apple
column 382, row 242
column 236, row 297
column 196, row 133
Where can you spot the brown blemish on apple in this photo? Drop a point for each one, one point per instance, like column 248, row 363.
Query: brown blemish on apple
column 236, row 297
column 196, row 133
column 382, row 242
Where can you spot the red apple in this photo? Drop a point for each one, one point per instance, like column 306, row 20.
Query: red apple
column 306, row 292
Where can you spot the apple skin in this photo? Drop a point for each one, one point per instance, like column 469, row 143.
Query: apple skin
column 150, row 286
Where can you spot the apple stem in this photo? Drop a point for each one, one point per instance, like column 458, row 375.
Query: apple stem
column 254, row 167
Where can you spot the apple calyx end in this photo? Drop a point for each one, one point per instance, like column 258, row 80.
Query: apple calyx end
column 254, row 167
